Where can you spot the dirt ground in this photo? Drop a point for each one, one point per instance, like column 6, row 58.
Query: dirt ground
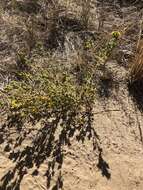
column 105, row 156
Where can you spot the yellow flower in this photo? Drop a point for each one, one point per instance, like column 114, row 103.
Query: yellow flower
column 15, row 104
column 44, row 97
column 116, row 34
column 88, row 44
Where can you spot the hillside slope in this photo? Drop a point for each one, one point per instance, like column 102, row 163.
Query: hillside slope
column 101, row 149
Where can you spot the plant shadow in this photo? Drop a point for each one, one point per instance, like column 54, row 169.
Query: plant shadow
column 136, row 92
column 46, row 146
column 103, row 166
column 61, row 26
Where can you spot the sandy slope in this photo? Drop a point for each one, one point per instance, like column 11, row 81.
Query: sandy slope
column 108, row 156
column 118, row 166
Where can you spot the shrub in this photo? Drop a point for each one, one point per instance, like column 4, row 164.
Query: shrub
column 48, row 92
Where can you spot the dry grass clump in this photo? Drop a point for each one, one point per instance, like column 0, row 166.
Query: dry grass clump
column 137, row 67
column 136, row 72
column 85, row 13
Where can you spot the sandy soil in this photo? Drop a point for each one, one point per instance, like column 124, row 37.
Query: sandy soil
column 105, row 156
column 117, row 164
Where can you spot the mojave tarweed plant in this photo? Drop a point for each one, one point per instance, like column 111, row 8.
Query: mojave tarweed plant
column 42, row 93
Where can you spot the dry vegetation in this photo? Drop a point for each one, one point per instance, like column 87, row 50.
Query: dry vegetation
column 42, row 80
column 55, row 55
column 137, row 66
